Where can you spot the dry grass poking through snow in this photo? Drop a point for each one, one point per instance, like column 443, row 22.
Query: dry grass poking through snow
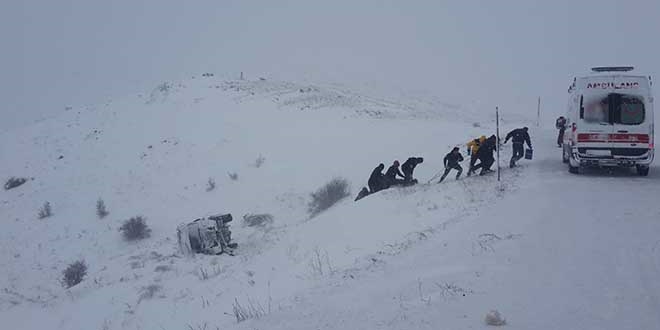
column 233, row 176
column 101, row 210
column 328, row 195
column 253, row 310
column 210, row 184
column 45, row 211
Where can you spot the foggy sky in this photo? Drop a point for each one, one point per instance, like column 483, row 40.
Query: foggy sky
column 506, row 53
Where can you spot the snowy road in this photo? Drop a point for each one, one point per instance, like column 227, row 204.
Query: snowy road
column 560, row 252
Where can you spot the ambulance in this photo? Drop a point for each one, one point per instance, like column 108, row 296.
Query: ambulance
column 610, row 121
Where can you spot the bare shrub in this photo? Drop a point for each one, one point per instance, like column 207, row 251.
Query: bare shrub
column 101, row 211
column 74, row 274
column 203, row 274
column 420, row 291
column 149, row 291
column 233, row 176
column 163, row 268
column 328, row 195
column 137, row 264
column 495, row 319
column 320, row 263
column 450, row 290
column 253, row 310
column 14, row 182
column 210, row 185
column 257, row 220
column 160, row 92
column 198, row 327
column 135, row 228
column 259, row 161
column 45, row 211
column 486, row 242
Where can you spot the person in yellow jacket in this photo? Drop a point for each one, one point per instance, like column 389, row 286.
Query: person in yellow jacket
column 472, row 148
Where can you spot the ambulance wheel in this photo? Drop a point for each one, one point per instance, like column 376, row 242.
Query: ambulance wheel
column 573, row 169
column 642, row 170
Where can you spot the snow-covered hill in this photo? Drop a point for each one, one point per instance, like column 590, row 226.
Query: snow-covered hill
column 547, row 249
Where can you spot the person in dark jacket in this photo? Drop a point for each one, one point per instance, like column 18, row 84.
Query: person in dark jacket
column 391, row 175
column 408, row 167
column 452, row 161
column 485, row 155
column 518, row 136
column 377, row 179
column 561, row 126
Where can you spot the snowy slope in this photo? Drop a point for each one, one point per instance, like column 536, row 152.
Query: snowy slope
column 402, row 258
column 556, row 252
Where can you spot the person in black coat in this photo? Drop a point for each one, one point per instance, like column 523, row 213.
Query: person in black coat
column 409, row 166
column 518, row 136
column 391, row 175
column 485, row 155
column 377, row 179
column 452, row 161
column 561, row 126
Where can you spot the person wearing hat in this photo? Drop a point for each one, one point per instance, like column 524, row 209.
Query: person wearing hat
column 518, row 136
column 452, row 161
column 392, row 173
column 473, row 150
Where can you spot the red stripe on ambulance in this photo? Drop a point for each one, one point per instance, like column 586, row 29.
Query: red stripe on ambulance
column 612, row 138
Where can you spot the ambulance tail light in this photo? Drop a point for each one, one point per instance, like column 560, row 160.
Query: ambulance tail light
column 651, row 135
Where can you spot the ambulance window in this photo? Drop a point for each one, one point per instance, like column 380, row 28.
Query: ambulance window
column 596, row 110
column 581, row 106
column 628, row 109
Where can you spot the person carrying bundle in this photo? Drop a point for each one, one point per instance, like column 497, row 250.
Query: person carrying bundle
column 519, row 136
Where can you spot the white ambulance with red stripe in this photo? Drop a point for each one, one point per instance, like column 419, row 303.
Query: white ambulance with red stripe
column 610, row 120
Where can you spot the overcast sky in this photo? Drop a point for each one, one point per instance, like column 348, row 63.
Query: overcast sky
column 76, row 52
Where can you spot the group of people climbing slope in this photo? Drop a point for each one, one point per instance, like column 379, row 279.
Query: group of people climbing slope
column 480, row 150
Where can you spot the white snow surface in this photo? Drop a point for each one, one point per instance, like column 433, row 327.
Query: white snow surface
column 547, row 249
